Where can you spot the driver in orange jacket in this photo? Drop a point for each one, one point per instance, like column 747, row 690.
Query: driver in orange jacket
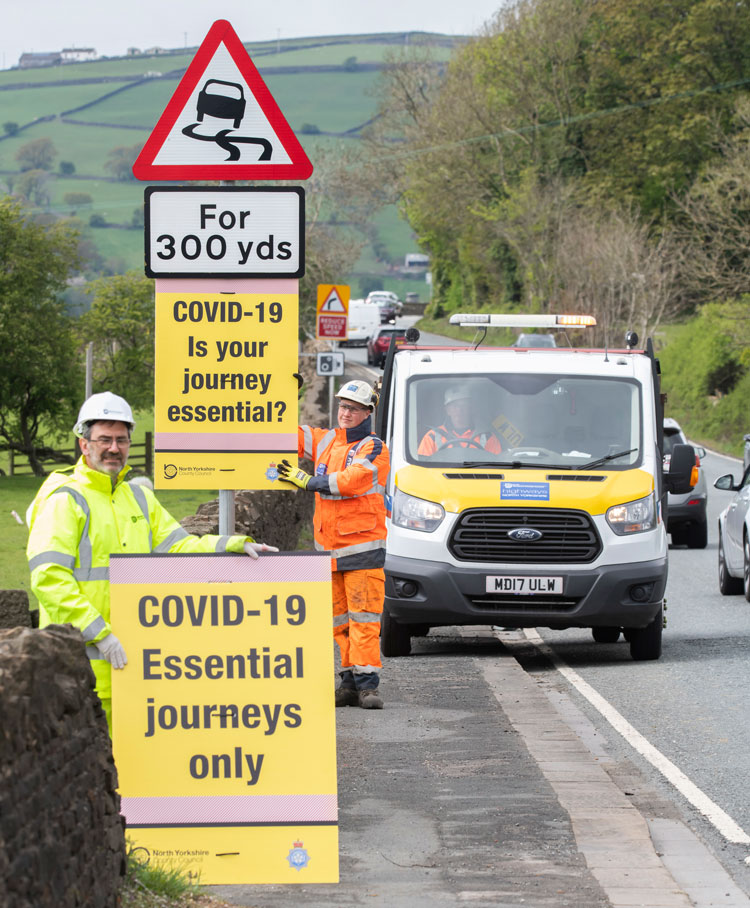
column 351, row 467
column 457, row 431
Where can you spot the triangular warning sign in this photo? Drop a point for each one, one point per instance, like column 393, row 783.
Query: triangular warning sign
column 222, row 122
column 333, row 303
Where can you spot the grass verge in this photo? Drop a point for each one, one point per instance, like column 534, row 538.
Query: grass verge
column 156, row 886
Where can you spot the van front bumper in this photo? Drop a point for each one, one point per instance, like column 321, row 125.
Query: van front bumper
column 433, row 593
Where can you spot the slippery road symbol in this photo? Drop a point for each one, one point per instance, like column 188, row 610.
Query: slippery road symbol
column 226, row 103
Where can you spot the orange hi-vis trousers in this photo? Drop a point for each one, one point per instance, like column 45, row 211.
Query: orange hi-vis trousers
column 357, row 606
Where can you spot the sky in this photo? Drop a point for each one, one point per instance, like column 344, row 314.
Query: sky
column 111, row 27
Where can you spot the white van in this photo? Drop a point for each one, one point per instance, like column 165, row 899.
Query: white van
column 364, row 320
column 526, row 488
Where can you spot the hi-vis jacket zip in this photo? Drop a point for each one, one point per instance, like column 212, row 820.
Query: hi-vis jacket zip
column 77, row 520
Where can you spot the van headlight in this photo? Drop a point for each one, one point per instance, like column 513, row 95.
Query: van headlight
column 416, row 513
column 633, row 517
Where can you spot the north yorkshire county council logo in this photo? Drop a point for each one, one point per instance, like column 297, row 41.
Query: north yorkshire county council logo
column 298, row 856
column 170, row 471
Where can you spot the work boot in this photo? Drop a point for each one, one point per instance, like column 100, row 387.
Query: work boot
column 370, row 699
column 346, row 696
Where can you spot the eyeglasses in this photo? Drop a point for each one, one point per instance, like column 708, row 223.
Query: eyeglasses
column 349, row 408
column 105, row 442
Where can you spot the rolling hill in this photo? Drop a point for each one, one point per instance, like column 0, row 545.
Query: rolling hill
column 324, row 86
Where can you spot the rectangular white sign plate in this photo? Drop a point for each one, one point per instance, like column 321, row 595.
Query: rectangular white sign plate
column 205, row 231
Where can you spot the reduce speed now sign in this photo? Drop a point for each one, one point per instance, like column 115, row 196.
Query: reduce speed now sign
column 227, row 231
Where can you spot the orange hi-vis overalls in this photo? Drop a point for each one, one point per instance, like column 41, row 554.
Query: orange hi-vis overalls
column 437, row 438
column 351, row 467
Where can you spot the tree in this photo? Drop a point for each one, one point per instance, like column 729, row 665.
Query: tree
column 41, row 377
column 67, row 168
column 36, row 155
column 10, row 128
column 33, row 186
column 77, row 199
column 121, row 160
column 121, row 325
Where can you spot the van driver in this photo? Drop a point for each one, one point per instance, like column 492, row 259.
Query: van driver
column 458, row 430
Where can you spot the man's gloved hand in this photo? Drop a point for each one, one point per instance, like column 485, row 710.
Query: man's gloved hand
column 254, row 548
column 112, row 650
column 287, row 473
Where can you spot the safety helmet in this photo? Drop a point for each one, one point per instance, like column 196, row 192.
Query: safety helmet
column 107, row 406
column 457, row 392
column 359, row 392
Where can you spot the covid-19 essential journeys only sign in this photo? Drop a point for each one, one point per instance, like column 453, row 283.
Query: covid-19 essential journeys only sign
column 223, row 718
column 225, row 401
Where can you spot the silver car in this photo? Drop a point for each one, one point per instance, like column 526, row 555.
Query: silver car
column 686, row 514
column 734, row 536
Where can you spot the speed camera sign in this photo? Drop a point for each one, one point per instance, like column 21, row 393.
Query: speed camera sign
column 330, row 364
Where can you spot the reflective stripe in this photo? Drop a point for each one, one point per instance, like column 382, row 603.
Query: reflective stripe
column 140, row 497
column 85, row 557
column 325, row 442
column 174, row 537
column 338, row 620
column 93, row 652
column 221, row 543
column 91, row 573
column 307, row 442
column 365, row 617
column 61, row 558
column 374, row 489
column 366, row 669
column 95, row 628
column 369, row 546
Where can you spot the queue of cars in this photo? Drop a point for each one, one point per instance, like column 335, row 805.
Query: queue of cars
column 734, row 536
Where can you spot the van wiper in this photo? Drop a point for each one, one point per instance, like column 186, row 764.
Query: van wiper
column 601, row 460
column 516, row 465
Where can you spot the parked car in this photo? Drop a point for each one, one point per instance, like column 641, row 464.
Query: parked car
column 535, row 340
column 686, row 514
column 377, row 345
column 390, row 305
column 734, row 536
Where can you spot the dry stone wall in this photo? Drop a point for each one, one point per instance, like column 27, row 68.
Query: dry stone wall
column 62, row 841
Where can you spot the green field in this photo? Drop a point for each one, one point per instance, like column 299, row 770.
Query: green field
column 332, row 102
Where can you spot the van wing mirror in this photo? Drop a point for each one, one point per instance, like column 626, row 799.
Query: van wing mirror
column 678, row 479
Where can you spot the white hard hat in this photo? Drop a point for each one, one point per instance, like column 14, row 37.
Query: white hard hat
column 360, row 392
column 457, row 392
column 107, row 406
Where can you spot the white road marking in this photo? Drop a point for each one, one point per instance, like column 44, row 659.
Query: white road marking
column 721, row 820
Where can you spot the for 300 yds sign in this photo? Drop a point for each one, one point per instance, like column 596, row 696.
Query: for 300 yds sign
column 224, row 231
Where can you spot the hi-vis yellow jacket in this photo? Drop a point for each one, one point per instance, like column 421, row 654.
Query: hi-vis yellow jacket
column 351, row 467
column 76, row 521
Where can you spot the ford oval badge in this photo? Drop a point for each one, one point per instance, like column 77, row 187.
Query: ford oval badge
column 525, row 534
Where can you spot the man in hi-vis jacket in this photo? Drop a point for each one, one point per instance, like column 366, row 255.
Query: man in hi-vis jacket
column 84, row 514
column 351, row 467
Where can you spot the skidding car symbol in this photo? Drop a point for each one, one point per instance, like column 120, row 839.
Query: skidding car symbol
column 225, row 105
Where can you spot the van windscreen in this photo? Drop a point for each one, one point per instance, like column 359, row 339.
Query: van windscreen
column 560, row 421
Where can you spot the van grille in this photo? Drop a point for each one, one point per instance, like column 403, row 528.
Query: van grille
column 481, row 534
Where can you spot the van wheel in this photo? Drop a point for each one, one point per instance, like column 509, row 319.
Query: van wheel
column 645, row 642
column 395, row 638
column 697, row 535
column 728, row 585
column 605, row 634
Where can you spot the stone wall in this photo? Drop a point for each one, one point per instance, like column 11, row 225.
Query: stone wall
column 14, row 608
column 62, row 842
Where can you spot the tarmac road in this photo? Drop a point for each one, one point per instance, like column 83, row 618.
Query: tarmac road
column 480, row 785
